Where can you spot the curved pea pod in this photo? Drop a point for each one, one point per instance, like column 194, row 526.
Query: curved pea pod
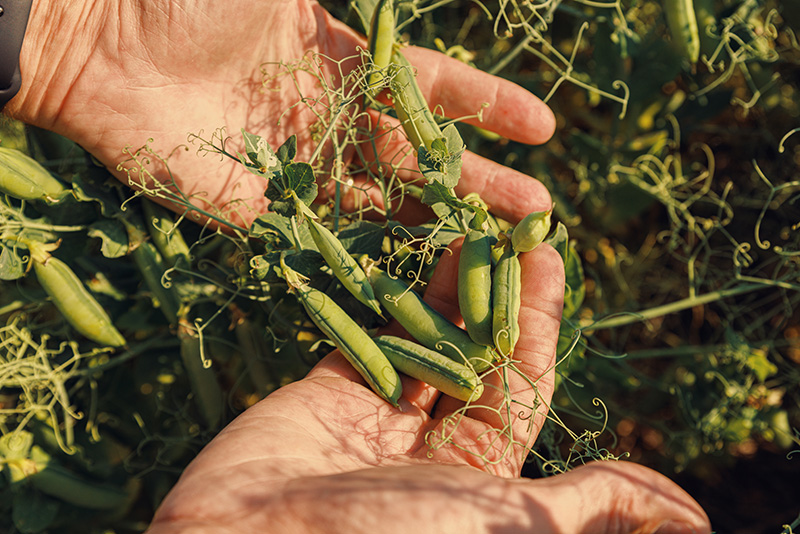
column 410, row 105
column 682, row 23
column 24, row 178
column 151, row 266
column 354, row 343
column 426, row 325
column 431, row 367
column 531, row 231
column 76, row 304
column 506, row 288
column 381, row 41
column 343, row 265
column 206, row 391
column 475, row 286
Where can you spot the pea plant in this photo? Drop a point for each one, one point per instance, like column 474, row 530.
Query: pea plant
column 132, row 333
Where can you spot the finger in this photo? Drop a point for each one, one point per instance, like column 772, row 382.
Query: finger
column 616, row 498
column 461, row 91
column 516, row 397
column 510, row 194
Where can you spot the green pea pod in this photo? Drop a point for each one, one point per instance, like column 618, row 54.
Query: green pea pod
column 410, row 105
column 354, row 343
column 431, row 367
column 426, row 325
column 206, row 391
column 381, row 42
column 682, row 23
column 166, row 237
column 48, row 476
column 76, row 304
column 531, row 231
column 22, row 177
column 506, row 288
column 343, row 265
column 151, row 266
column 475, row 286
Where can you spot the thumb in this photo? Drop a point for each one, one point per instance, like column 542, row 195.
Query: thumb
column 618, row 498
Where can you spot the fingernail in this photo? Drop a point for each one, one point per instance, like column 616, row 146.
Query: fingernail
column 674, row 527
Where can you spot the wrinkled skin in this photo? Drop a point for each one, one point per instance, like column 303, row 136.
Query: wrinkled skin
column 325, row 454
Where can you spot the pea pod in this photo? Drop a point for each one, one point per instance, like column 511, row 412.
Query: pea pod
column 411, row 107
column 343, row 265
column 167, row 238
column 506, row 288
column 531, row 231
column 73, row 300
column 24, row 178
column 475, row 286
column 381, row 41
column 354, row 343
column 682, row 23
column 426, row 325
column 431, row 367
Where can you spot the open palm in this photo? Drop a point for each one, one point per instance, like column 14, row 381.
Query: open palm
column 119, row 74
column 327, row 455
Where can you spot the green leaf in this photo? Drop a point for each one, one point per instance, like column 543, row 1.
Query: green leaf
column 362, row 237
column 288, row 150
column 759, row 363
column 113, row 236
column 575, row 283
column 300, row 179
column 559, row 240
column 272, row 228
column 444, row 202
column 442, row 163
column 32, row 511
column 11, row 266
column 263, row 158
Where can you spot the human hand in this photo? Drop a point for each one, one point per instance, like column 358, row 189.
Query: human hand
column 326, row 454
column 110, row 74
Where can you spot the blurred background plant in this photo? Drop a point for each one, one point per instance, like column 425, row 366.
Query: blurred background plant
column 673, row 168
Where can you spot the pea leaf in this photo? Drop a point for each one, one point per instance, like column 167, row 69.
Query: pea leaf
column 444, row 202
column 32, row 511
column 113, row 237
column 362, row 237
column 297, row 178
column 442, row 163
column 262, row 159
column 575, row 284
column 11, row 266
column 288, row 150
column 559, row 240
column 276, row 231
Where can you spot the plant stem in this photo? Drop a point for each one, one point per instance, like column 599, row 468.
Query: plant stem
column 658, row 311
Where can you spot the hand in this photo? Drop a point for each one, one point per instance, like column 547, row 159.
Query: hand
column 110, row 74
column 325, row 454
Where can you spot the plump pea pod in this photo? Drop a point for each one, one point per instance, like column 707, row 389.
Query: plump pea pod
column 431, row 367
column 166, row 237
column 22, row 177
column 151, row 266
column 531, row 231
column 682, row 23
column 506, row 288
column 50, row 477
column 354, row 343
column 75, row 303
column 426, row 325
column 206, row 390
column 475, row 286
column 381, row 41
column 411, row 107
column 343, row 265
